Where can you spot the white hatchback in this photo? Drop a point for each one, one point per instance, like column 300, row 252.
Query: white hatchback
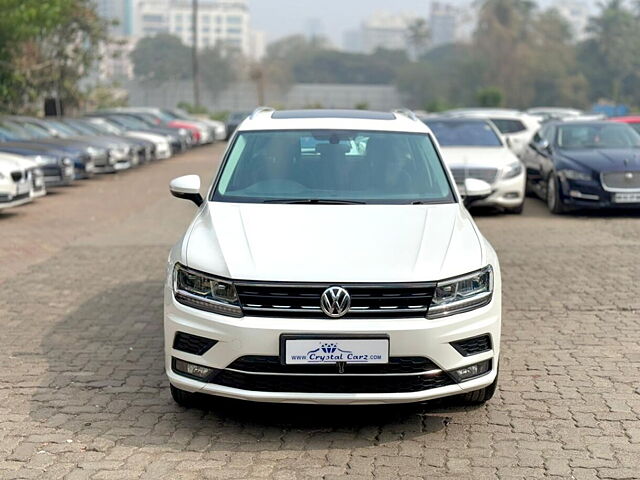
column 332, row 260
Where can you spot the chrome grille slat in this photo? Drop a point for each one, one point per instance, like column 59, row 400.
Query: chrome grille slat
column 620, row 181
column 489, row 175
column 367, row 300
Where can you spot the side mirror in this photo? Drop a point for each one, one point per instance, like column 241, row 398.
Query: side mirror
column 187, row 187
column 475, row 189
column 542, row 145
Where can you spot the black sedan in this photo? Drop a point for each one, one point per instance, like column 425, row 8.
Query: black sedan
column 582, row 164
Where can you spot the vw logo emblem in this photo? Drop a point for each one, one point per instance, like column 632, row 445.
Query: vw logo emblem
column 335, row 302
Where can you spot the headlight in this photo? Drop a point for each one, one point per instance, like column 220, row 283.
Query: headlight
column 462, row 294
column 576, row 175
column 512, row 170
column 205, row 292
column 67, row 162
column 92, row 151
column 44, row 159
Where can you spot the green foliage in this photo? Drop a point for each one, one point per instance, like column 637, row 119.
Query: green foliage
column 297, row 59
column 107, row 96
column 46, row 48
column 160, row 59
column 610, row 57
column 164, row 58
column 361, row 106
column 490, row 97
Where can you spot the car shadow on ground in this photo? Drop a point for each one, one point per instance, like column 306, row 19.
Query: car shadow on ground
column 105, row 378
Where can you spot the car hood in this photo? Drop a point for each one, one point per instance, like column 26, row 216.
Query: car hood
column 611, row 159
column 334, row 243
column 10, row 162
column 477, row 156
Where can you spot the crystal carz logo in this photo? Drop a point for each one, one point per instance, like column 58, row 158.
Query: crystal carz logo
column 331, row 353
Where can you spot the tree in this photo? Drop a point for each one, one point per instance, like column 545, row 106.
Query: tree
column 418, row 37
column 46, row 48
column 160, row 59
column 609, row 57
column 504, row 41
column 489, row 97
column 216, row 68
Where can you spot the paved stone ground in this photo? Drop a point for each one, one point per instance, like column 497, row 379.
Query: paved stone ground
column 83, row 394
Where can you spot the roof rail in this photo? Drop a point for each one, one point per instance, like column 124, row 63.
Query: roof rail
column 260, row 110
column 407, row 113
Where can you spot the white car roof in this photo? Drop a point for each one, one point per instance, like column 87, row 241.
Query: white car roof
column 268, row 119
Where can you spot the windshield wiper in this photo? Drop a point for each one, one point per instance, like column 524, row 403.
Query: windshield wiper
column 314, row 201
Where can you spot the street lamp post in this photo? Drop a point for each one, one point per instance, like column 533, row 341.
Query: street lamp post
column 194, row 54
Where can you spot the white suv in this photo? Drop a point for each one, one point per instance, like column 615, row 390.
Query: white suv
column 332, row 260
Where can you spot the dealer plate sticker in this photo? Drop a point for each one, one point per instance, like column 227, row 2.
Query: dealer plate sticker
column 319, row 351
column 627, row 198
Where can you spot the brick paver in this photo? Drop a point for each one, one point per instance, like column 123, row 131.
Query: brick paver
column 83, row 393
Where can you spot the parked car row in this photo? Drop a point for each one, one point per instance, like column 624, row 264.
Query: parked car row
column 568, row 158
column 41, row 153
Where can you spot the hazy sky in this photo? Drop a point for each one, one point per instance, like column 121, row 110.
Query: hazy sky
column 279, row 18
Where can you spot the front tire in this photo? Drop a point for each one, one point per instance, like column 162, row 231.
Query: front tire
column 554, row 201
column 183, row 398
column 515, row 210
column 478, row 397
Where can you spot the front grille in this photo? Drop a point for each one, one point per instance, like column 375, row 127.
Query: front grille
column 331, row 384
column 473, row 346
column 621, row 180
column 367, row 300
column 16, row 176
column 489, row 175
column 192, row 343
column 270, row 364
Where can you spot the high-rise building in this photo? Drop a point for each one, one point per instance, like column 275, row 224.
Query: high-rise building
column 224, row 22
column 384, row 30
column 443, row 24
column 150, row 17
column 120, row 13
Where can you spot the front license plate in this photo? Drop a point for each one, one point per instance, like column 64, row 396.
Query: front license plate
column 23, row 188
column 626, row 198
column 323, row 350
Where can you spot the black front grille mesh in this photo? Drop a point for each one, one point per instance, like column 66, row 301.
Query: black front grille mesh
column 272, row 364
column 193, row 344
column 411, row 300
column 333, row 384
column 473, row 346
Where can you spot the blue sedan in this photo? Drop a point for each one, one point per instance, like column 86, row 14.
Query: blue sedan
column 584, row 164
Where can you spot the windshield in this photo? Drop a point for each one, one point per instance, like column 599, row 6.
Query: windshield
column 327, row 166
column 14, row 131
column 104, row 127
column 507, row 126
column 592, row 136
column 464, row 133
column 129, row 122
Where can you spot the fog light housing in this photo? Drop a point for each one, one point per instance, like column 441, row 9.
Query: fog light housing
column 472, row 371
column 512, row 195
column 191, row 369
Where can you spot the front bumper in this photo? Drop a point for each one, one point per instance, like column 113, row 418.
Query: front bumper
column 591, row 195
column 259, row 336
column 506, row 193
column 58, row 175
